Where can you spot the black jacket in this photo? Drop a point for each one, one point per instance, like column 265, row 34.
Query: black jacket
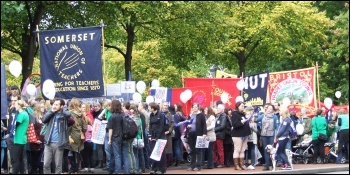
column 220, row 126
column 116, row 124
column 49, row 119
column 239, row 129
column 157, row 125
column 201, row 125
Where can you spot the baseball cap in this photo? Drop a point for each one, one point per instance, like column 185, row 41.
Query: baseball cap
column 14, row 87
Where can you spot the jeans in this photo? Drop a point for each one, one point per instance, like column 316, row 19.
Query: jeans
column 52, row 152
column 2, row 153
column 146, row 150
column 121, row 152
column 137, row 160
column 108, row 150
column 340, row 152
column 177, row 153
column 267, row 140
column 141, row 159
column 281, row 150
column 250, row 153
column 210, row 163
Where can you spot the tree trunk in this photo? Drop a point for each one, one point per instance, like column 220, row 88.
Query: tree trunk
column 128, row 55
column 29, row 42
column 241, row 62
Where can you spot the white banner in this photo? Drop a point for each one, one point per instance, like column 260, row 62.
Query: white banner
column 160, row 95
column 202, row 142
column 158, row 149
column 98, row 132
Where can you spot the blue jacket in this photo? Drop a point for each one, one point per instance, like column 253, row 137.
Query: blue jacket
column 283, row 129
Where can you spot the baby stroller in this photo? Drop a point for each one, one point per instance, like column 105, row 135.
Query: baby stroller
column 330, row 152
column 187, row 155
column 304, row 152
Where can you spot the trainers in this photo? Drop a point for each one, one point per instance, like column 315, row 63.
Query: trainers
column 219, row 166
column 250, row 167
column 196, row 169
column 287, row 168
column 189, row 169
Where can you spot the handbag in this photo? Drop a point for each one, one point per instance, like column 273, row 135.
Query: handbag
column 43, row 130
column 82, row 135
column 138, row 143
column 31, row 135
column 322, row 136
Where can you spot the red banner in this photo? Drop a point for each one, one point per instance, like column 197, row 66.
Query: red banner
column 297, row 85
column 206, row 91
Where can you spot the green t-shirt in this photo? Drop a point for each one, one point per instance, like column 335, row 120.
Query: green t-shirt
column 108, row 114
column 21, row 129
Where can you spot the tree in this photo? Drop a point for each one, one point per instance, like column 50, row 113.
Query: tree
column 18, row 23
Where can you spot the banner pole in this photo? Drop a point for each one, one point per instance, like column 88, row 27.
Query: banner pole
column 103, row 58
column 318, row 87
column 242, row 89
column 182, row 79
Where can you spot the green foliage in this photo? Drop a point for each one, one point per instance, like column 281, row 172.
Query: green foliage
column 164, row 40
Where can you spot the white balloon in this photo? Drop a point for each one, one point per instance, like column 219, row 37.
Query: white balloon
column 31, row 89
column 328, row 102
column 338, row 94
column 141, row 86
column 239, row 98
column 240, row 84
column 183, row 97
column 286, row 101
column 149, row 99
column 224, row 97
column 188, row 94
column 137, row 97
column 155, row 83
column 300, row 129
column 49, row 90
column 15, row 68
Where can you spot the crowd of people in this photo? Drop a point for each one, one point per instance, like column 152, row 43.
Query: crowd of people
column 54, row 136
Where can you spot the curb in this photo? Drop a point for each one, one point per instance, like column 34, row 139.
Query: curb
column 306, row 171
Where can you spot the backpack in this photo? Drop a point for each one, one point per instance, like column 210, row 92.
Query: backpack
column 130, row 128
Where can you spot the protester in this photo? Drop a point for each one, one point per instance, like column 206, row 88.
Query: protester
column 176, row 139
column 319, row 126
column 56, row 136
column 269, row 124
column 210, row 123
column 282, row 137
column 220, row 131
column 240, row 134
column 157, row 131
column 196, row 127
column 343, row 123
column 168, row 132
column 120, row 147
column 20, row 138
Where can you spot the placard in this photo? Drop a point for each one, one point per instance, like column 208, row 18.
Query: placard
column 202, row 142
column 158, row 149
column 98, row 132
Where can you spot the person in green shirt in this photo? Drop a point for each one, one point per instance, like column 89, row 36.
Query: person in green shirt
column 20, row 137
column 319, row 126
